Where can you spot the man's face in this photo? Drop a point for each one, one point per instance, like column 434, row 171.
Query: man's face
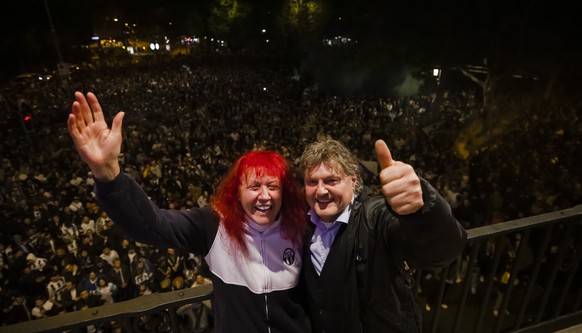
column 328, row 192
column 260, row 197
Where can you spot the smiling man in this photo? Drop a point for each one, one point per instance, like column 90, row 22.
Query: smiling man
column 354, row 260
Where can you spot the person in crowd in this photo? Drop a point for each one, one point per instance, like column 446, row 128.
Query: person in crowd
column 102, row 225
column 86, row 261
column 196, row 317
column 70, row 297
column 87, row 299
column 36, row 263
column 61, row 258
column 201, row 280
column 108, row 254
column 143, row 273
column 250, row 237
column 90, row 282
column 107, row 290
column 87, row 224
column 175, row 262
column 54, row 288
column 43, row 308
column 120, row 275
column 18, row 309
column 359, row 245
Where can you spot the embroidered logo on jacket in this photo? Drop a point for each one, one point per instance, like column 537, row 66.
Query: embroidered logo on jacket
column 289, row 256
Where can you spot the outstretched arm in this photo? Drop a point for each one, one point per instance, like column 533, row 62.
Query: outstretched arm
column 97, row 144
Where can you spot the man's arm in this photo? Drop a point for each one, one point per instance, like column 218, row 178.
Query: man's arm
column 426, row 231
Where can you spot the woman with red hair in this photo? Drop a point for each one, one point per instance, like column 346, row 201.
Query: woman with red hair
column 250, row 236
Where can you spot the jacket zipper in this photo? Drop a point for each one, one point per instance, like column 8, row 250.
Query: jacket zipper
column 265, row 280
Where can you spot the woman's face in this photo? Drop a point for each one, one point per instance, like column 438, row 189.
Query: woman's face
column 261, row 197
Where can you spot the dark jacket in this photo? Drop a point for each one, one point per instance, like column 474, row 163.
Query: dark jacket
column 363, row 286
column 255, row 293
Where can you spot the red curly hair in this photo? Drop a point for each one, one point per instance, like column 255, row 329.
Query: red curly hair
column 293, row 209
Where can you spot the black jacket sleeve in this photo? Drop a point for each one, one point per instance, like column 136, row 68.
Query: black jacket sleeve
column 431, row 237
column 141, row 220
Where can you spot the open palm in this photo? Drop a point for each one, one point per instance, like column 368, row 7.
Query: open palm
column 97, row 144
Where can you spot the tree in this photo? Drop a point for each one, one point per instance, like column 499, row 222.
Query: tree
column 301, row 23
column 225, row 15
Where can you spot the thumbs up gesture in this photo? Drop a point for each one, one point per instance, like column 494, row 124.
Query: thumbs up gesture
column 400, row 183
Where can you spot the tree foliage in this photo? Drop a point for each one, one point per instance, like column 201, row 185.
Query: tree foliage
column 225, row 16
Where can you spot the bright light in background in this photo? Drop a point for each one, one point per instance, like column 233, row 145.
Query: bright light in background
column 263, row 31
column 436, row 72
column 95, row 38
column 152, row 46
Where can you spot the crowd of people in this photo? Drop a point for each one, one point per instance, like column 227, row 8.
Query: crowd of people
column 185, row 123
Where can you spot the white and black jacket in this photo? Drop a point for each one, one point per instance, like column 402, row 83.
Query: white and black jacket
column 256, row 292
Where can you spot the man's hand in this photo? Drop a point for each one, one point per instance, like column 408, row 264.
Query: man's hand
column 400, row 184
column 97, row 145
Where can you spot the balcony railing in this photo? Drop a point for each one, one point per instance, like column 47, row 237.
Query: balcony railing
column 123, row 315
column 516, row 276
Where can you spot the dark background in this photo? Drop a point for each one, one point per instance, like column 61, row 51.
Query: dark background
column 536, row 37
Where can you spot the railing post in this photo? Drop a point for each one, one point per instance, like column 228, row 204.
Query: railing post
column 467, row 284
column 511, row 282
column 499, row 248
column 564, row 244
column 533, row 277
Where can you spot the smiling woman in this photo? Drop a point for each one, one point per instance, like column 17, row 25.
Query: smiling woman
column 250, row 237
column 260, row 197
column 260, row 180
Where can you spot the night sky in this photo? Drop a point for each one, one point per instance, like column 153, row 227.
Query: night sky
column 545, row 33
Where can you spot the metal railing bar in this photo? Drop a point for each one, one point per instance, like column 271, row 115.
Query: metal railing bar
column 570, row 278
column 142, row 305
column 561, row 323
column 511, row 282
column 467, row 284
column 499, row 249
column 523, row 223
column 534, row 275
column 439, row 299
column 554, row 272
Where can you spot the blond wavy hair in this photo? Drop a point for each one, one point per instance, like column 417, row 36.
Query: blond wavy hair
column 336, row 156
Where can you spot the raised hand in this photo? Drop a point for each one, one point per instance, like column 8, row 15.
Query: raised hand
column 97, row 145
column 400, row 183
